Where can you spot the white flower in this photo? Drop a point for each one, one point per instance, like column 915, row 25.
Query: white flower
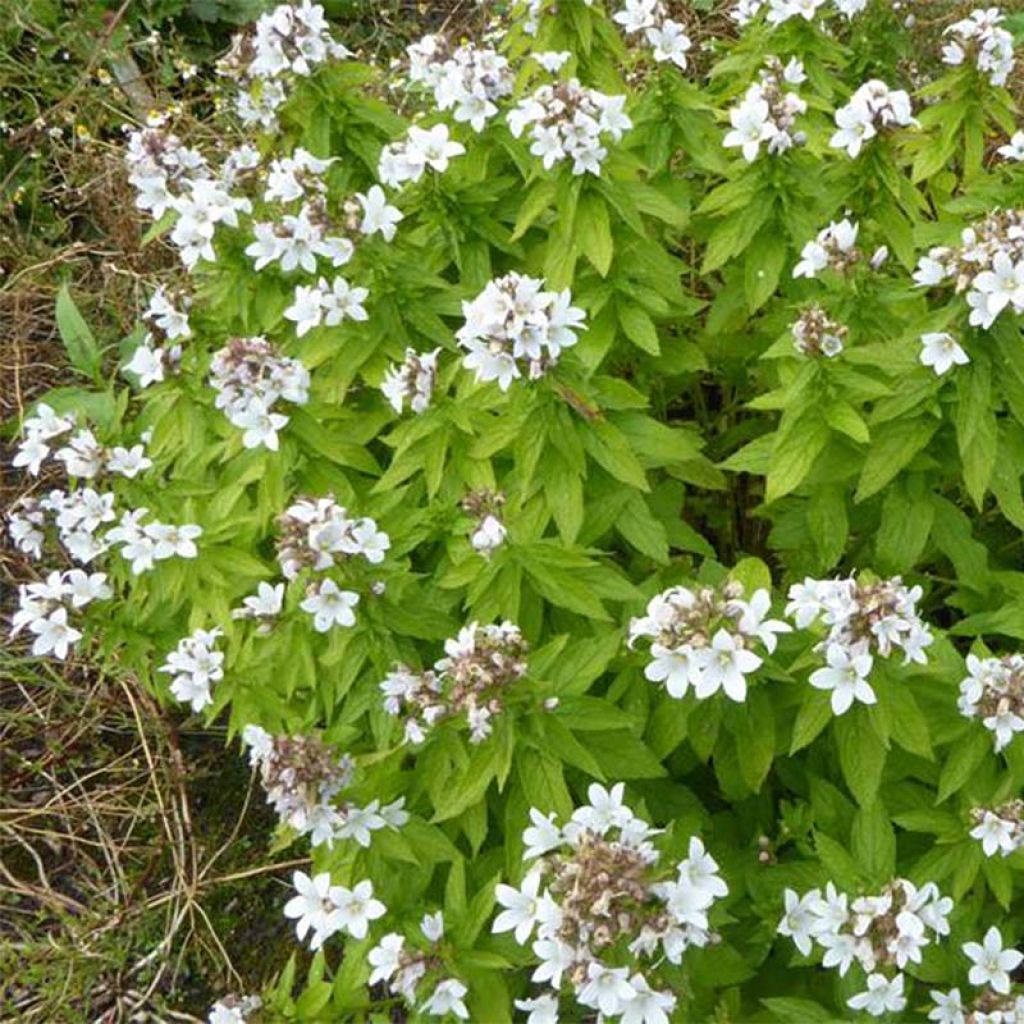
column 434, row 146
column 675, row 667
column 521, row 907
column 750, row 127
column 447, row 998
column 724, row 665
column 311, row 907
column 84, row 588
column 948, row 1009
column 385, row 958
column 1014, row 149
column 606, row 809
column 647, row 1006
column 53, row 635
column 555, row 957
column 542, row 836
column 700, row 870
column 799, row 921
column 846, row 676
column 881, row 996
column 991, row 963
column 941, row 352
column 553, row 61
column 754, row 623
column 378, row 215
column 147, row 364
column 356, row 908
column 606, row 989
column 342, row 302
column 1001, row 286
column 170, row 541
column 995, row 834
column 432, row 926
column 1005, row 724
column 543, row 1009
column 855, row 125
column 330, row 606
column 266, row 603
column 488, row 536
column 670, row 43
column 306, row 309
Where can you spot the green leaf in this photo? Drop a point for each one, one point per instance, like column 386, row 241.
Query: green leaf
column 828, row 524
column 891, row 450
column 903, row 532
column 79, row 342
column 814, row 715
column 798, row 1011
column 962, row 761
column 639, row 327
column 861, row 755
column 873, row 842
column 594, row 233
column 543, row 783
column 794, row 453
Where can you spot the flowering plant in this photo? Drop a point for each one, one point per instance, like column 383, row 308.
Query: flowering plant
column 497, row 385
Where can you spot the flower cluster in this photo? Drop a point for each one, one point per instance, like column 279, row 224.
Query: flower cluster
column 1000, row 829
column 979, row 37
column 666, row 37
column 473, row 679
column 863, row 620
column 144, row 544
column 991, row 964
column 408, row 160
column 466, row 79
column 302, row 775
column 704, row 639
column 485, row 506
column 315, row 533
column 834, row 248
column 403, row 969
column 817, row 334
column 411, row 381
column 328, row 304
column 566, row 121
column 779, row 11
column 767, row 112
column 881, row 933
column 201, row 206
column 290, row 40
column 989, row 262
column 159, row 167
column 83, row 456
column 44, row 608
column 874, row 105
column 195, row 665
column 295, row 240
column 327, row 909
column 514, row 325
column 249, row 376
column 993, row 691
column 598, row 898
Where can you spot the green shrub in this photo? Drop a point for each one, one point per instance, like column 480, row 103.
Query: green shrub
column 417, row 486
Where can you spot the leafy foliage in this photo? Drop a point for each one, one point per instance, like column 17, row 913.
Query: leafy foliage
column 686, row 444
